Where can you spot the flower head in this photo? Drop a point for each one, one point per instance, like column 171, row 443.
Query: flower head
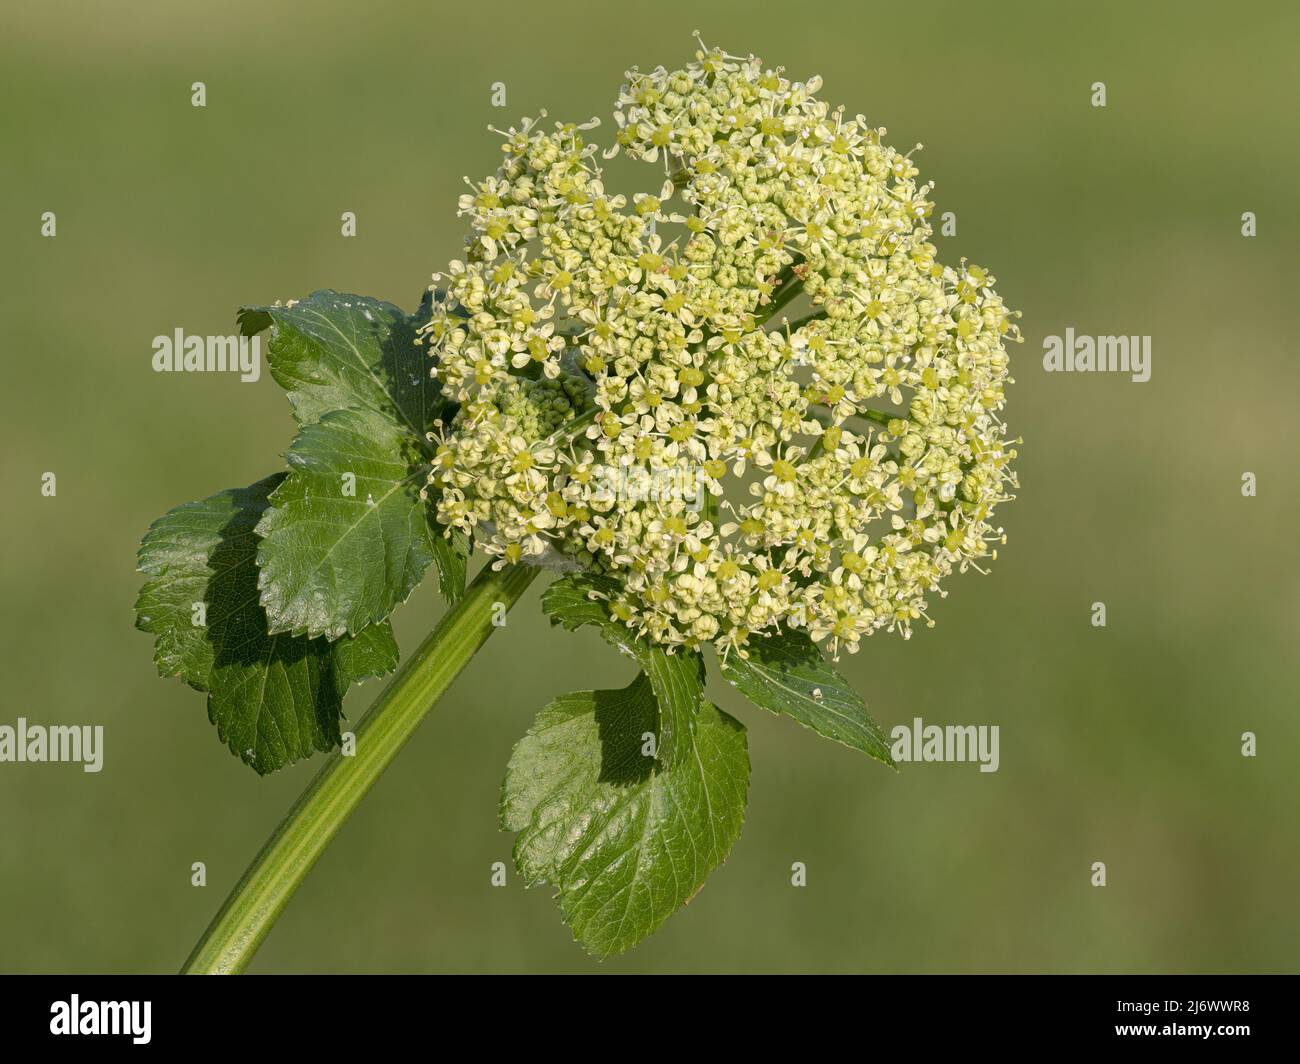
column 766, row 339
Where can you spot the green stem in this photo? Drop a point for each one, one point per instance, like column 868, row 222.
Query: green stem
column 787, row 286
column 283, row 863
column 782, row 296
column 880, row 417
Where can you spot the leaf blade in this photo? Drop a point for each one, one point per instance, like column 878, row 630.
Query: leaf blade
column 626, row 841
column 786, row 674
column 334, row 351
column 451, row 556
column 677, row 678
column 348, row 536
column 273, row 699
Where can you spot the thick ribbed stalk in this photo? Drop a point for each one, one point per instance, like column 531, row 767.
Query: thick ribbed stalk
column 261, row 894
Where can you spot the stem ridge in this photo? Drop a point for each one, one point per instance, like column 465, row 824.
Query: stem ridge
column 265, row 888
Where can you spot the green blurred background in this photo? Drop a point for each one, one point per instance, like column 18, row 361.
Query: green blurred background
column 1119, row 745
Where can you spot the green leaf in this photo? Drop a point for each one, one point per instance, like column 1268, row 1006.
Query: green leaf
column 677, row 678
column 334, row 351
column 274, row 698
column 451, row 556
column 348, row 536
column 579, row 599
column 625, row 840
column 372, row 652
column 786, row 673
column 361, row 389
